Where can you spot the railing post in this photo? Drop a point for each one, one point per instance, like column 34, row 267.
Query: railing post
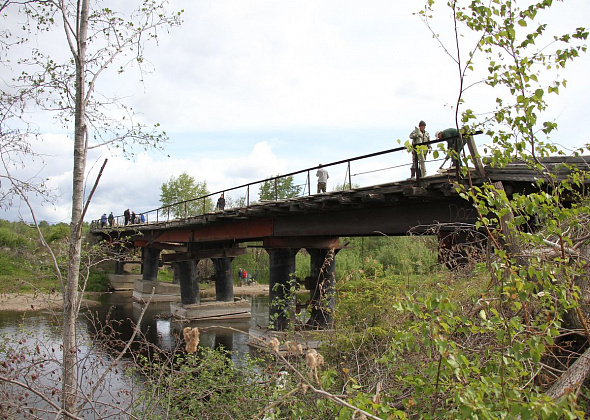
column 276, row 190
column 308, row 184
column 248, row 196
column 416, row 165
column 349, row 177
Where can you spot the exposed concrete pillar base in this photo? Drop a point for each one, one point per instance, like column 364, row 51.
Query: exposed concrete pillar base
column 186, row 272
column 151, row 263
column 224, row 285
column 281, row 286
column 119, row 267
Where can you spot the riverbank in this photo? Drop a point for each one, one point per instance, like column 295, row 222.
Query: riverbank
column 253, row 289
column 24, row 302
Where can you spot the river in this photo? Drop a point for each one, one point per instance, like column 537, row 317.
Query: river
column 35, row 333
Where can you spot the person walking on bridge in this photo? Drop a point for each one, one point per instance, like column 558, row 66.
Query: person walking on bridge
column 419, row 136
column 323, row 176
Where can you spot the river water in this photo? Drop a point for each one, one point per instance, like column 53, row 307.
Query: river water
column 35, row 331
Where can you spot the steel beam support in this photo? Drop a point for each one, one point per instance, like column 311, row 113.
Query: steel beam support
column 281, row 286
column 186, row 272
column 224, row 285
column 204, row 253
column 392, row 221
column 302, row 242
column 236, row 230
column 322, row 287
column 150, row 263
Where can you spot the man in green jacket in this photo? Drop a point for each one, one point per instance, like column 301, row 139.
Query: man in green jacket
column 453, row 140
column 419, row 136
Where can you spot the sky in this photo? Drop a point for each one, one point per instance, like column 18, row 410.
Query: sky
column 248, row 89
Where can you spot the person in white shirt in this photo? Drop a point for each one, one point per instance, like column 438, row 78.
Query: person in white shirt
column 323, row 176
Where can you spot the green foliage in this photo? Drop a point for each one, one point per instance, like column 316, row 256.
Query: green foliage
column 406, row 255
column 10, row 266
column 207, row 386
column 13, row 240
column 166, row 275
column 278, row 188
column 97, row 282
column 255, row 262
column 179, row 193
column 363, row 296
column 536, row 274
column 55, row 233
column 25, row 265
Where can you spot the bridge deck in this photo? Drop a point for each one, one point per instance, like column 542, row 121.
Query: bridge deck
column 392, row 209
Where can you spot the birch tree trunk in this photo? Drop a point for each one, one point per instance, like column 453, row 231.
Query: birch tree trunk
column 70, row 311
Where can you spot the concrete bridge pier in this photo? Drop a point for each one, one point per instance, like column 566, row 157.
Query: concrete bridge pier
column 120, row 259
column 187, row 275
column 119, row 267
column 224, row 285
column 322, row 286
column 281, row 286
column 151, row 263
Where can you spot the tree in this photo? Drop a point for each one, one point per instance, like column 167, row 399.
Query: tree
column 539, row 239
column 179, row 196
column 278, row 187
column 95, row 39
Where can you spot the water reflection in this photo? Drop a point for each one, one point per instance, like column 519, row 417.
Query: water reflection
column 165, row 332
column 119, row 310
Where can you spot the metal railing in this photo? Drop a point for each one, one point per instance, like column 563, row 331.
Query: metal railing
column 190, row 208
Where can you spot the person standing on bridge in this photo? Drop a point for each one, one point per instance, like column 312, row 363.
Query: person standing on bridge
column 127, row 216
column 323, row 176
column 221, row 203
column 111, row 220
column 419, row 136
column 103, row 220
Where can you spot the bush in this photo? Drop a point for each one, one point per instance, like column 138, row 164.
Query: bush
column 14, row 241
column 97, row 282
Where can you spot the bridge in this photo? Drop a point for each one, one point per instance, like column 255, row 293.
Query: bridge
column 316, row 223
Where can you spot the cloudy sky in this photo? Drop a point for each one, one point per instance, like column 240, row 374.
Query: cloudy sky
column 247, row 89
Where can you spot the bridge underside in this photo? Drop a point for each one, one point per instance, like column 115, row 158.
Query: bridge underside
column 315, row 223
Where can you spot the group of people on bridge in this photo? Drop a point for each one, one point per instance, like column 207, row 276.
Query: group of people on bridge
column 129, row 218
column 419, row 136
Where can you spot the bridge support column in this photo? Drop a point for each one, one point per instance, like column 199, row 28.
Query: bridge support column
column 281, row 286
column 186, row 272
column 224, row 285
column 151, row 262
column 322, row 286
column 119, row 265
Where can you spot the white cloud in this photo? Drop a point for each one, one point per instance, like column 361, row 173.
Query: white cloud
column 250, row 89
